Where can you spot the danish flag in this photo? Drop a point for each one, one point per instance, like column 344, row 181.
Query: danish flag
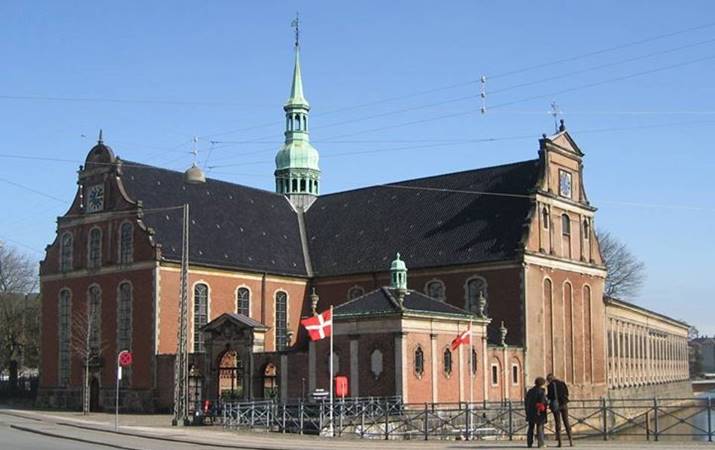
column 319, row 326
column 464, row 338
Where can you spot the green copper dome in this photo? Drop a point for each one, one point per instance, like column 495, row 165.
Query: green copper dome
column 297, row 154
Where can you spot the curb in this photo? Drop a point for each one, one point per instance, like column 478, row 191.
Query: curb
column 70, row 438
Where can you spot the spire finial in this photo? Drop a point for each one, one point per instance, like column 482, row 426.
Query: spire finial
column 296, row 24
column 100, row 141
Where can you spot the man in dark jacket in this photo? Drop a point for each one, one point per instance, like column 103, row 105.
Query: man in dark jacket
column 535, row 404
column 558, row 394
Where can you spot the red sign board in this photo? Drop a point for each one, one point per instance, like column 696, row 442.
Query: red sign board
column 125, row 358
column 341, row 386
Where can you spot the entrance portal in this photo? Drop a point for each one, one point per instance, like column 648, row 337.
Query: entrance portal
column 230, row 380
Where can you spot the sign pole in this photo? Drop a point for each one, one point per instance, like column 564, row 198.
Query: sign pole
column 332, row 331
column 116, row 399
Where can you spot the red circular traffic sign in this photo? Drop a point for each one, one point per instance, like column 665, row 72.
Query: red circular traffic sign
column 125, row 358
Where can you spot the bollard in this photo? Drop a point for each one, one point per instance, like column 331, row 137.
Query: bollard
column 300, row 420
column 253, row 414
column 655, row 419
column 426, row 423
column 284, row 417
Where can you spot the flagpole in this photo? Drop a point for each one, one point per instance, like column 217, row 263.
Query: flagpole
column 471, row 369
column 330, row 380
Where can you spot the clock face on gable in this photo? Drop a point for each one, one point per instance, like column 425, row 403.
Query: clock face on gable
column 564, row 183
column 95, row 198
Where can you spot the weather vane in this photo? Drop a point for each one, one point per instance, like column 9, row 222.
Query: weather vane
column 296, row 24
column 555, row 113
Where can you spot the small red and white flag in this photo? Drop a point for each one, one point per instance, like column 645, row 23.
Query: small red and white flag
column 319, row 326
column 464, row 338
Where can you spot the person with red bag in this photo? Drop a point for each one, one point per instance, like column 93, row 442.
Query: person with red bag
column 535, row 403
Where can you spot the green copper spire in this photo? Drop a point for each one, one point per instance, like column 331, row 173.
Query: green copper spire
column 297, row 99
column 297, row 170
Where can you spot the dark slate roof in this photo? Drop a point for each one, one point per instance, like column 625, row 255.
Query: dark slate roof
column 384, row 301
column 360, row 231
column 231, row 225
column 234, row 317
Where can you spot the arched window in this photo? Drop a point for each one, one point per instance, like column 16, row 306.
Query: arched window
column 545, row 218
column 94, row 318
column 514, row 374
column 435, row 289
column 243, row 301
column 447, row 357
column 124, row 316
column 201, row 313
column 376, row 363
column 474, row 360
column 475, row 286
column 64, row 336
column 355, row 292
column 126, row 243
column 294, row 185
column 495, row 374
column 281, row 325
column 419, row 361
column 302, row 185
column 66, row 252
column 94, row 251
column 124, row 324
column 565, row 225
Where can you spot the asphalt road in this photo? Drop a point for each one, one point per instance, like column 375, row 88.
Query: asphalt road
column 27, row 430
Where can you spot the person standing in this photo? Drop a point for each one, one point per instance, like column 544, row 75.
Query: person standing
column 558, row 395
column 535, row 405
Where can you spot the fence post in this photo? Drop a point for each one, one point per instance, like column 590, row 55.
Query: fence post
column 387, row 422
column 710, row 419
column 300, row 411
column 340, row 418
column 253, row 414
column 284, row 417
column 362, row 421
column 511, row 421
column 655, row 419
column 468, row 421
column 426, row 422
column 604, row 417
column 647, row 426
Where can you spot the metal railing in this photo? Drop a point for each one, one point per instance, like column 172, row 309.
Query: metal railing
column 389, row 418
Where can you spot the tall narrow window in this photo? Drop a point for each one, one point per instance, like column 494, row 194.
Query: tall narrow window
column 124, row 325
column 419, row 361
column 474, row 361
column 435, row 289
column 94, row 253
column 586, row 229
column 66, row 252
column 124, row 316
column 514, row 374
column 281, row 320
column 201, row 302
column 495, row 374
column 94, row 319
column 447, row 356
column 64, row 322
column 565, row 225
column 126, row 243
column 243, row 301
column 545, row 218
column 476, row 286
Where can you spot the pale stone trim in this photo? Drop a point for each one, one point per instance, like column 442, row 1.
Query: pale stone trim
column 560, row 264
column 104, row 270
column 433, row 351
column 234, row 274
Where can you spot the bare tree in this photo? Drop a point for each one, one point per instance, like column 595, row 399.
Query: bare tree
column 626, row 273
column 86, row 345
column 19, row 311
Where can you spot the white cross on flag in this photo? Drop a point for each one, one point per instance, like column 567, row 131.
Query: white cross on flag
column 319, row 326
column 464, row 338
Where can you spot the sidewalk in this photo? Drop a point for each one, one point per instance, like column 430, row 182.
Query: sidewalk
column 159, row 427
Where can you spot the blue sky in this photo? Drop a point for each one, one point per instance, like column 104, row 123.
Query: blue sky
column 374, row 72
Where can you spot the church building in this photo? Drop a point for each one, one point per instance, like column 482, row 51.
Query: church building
column 508, row 252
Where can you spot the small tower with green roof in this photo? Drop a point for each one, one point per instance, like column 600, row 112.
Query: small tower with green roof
column 297, row 173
